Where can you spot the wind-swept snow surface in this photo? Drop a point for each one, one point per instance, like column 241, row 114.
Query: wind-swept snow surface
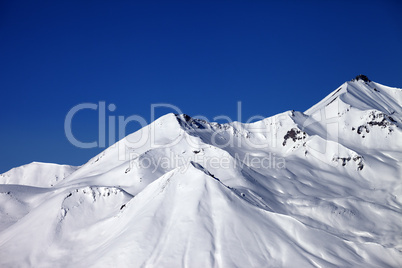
column 321, row 188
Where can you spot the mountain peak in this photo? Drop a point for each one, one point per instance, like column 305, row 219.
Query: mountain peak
column 289, row 190
column 361, row 77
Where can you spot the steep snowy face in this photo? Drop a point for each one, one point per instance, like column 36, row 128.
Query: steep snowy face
column 319, row 188
column 367, row 109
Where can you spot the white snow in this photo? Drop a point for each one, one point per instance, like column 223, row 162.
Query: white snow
column 315, row 189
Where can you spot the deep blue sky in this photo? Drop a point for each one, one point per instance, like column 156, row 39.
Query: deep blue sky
column 202, row 56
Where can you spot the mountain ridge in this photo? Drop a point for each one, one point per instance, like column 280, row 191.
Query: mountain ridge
column 315, row 188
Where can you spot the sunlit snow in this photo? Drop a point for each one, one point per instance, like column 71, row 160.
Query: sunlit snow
column 321, row 188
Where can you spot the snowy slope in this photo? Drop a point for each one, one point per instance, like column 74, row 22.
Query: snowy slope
column 37, row 174
column 315, row 189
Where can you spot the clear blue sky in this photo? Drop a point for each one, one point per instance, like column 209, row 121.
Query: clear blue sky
column 202, row 56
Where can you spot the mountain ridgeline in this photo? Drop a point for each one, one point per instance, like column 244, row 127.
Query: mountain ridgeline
column 319, row 188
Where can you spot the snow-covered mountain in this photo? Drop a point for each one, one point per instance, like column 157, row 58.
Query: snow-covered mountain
column 321, row 188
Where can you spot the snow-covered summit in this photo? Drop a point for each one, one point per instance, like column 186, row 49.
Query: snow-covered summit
column 319, row 188
column 364, row 94
column 37, row 174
